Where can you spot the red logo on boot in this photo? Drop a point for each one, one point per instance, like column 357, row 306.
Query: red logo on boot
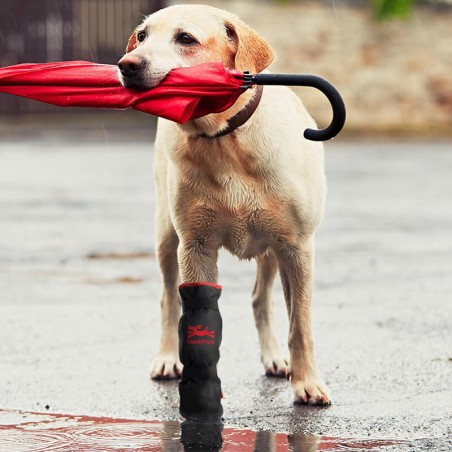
column 197, row 331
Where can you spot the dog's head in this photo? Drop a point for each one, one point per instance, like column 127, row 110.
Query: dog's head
column 187, row 35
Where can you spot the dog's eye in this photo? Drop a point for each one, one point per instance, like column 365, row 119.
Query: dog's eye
column 185, row 39
column 141, row 36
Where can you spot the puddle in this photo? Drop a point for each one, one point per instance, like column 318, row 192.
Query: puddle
column 22, row 431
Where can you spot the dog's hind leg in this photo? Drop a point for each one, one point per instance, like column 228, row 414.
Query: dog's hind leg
column 166, row 364
column 273, row 358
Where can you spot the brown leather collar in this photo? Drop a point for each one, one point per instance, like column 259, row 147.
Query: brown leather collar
column 241, row 117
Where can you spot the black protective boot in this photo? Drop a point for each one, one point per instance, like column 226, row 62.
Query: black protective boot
column 200, row 329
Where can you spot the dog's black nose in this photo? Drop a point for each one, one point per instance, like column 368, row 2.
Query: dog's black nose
column 130, row 65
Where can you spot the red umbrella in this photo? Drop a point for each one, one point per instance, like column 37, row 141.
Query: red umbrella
column 186, row 93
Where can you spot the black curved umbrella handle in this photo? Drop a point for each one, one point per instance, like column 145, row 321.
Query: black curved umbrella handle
column 321, row 84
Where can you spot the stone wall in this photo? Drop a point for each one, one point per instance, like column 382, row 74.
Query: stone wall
column 395, row 76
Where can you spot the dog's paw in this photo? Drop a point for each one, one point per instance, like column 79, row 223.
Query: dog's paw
column 311, row 391
column 275, row 365
column 166, row 367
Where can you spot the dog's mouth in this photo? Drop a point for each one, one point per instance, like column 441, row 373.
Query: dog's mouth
column 139, row 85
column 141, row 81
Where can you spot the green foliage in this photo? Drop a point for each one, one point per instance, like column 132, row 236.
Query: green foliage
column 382, row 9
column 391, row 9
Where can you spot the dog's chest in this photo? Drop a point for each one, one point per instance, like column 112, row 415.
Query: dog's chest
column 251, row 224
column 237, row 202
column 242, row 234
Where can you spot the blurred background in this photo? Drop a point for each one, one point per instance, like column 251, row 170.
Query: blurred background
column 390, row 59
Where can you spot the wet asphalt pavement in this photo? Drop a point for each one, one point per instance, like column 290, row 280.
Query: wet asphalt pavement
column 79, row 295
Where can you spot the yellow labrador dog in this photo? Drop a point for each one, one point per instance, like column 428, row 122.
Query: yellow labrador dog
column 244, row 179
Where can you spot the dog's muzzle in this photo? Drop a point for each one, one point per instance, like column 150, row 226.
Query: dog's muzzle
column 200, row 332
column 132, row 69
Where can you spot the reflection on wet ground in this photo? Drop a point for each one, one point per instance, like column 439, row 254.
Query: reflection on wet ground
column 22, row 431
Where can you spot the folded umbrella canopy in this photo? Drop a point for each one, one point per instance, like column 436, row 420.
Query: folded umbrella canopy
column 186, row 93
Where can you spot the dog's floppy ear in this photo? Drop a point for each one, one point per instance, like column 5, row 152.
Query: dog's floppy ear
column 253, row 54
column 132, row 44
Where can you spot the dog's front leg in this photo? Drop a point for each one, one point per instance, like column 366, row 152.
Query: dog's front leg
column 198, row 260
column 296, row 268
column 200, row 331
